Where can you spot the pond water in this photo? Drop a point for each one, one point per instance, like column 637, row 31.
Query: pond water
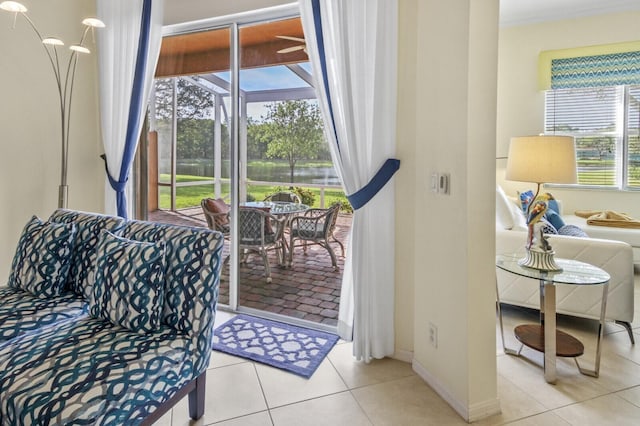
column 271, row 172
column 281, row 173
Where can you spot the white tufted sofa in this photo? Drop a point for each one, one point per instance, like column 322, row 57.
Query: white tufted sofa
column 628, row 235
column 615, row 257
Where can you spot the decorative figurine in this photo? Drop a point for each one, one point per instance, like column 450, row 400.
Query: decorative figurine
column 539, row 251
column 536, row 212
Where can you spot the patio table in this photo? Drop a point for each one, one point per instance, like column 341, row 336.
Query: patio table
column 283, row 211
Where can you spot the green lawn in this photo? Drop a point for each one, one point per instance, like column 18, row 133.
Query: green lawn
column 607, row 177
column 190, row 196
column 597, row 177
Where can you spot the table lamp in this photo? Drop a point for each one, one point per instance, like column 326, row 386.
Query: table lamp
column 541, row 159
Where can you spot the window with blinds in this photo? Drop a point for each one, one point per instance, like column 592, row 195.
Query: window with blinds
column 605, row 122
column 633, row 137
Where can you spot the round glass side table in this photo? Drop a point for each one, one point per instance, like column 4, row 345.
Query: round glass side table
column 544, row 337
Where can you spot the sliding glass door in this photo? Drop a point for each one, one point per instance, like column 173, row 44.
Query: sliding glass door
column 237, row 121
column 192, row 116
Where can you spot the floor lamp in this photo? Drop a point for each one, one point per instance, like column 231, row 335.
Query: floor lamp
column 64, row 81
column 541, row 159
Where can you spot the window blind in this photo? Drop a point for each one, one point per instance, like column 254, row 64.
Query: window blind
column 593, row 116
column 633, row 137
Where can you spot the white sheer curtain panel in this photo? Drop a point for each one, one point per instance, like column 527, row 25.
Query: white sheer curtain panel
column 352, row 48
column 128, row 50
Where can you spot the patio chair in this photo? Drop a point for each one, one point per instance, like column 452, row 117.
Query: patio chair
column 315, row 226
column 259, row 231
column 290, row 197
column 216, row 212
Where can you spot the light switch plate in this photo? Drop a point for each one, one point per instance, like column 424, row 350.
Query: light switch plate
column 435, row 184
column 443, row 183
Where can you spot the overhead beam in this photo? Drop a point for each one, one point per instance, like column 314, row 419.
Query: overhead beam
column 302, row 73
column 281, row 94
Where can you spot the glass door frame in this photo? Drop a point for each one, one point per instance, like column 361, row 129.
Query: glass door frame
column 233, row 23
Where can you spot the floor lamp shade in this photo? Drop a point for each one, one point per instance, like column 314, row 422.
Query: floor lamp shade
column 542, row 159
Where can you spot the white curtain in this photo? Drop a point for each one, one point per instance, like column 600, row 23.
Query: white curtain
column 352, row 47
column 126, row 68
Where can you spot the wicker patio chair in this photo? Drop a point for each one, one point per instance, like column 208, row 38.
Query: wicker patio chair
column 216, row 212
column 259, row 231
column 284, row 196
column 315, row 226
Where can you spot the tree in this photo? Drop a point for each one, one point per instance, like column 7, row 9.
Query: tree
column 257, row 142
column 193, row 101
column 195, row 127
column 293, row 131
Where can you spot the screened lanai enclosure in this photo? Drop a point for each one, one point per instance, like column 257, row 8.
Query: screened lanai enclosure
column 280, row 144
column 234, row 116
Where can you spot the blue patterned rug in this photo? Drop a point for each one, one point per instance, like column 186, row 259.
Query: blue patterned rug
column 295, row 349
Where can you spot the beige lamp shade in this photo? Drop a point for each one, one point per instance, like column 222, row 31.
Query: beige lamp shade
column 542, row 159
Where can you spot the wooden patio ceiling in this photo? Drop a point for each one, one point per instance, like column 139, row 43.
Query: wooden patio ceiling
column 208, row 51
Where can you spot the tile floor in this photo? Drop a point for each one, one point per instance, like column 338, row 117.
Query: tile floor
column 388, row 392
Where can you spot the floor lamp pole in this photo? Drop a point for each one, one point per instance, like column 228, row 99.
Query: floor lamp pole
column 63, row 193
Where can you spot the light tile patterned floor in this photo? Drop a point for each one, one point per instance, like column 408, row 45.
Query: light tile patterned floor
column 388, row 392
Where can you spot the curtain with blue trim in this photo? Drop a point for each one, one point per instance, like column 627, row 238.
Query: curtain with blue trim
column 352, row 48
column 127, row 57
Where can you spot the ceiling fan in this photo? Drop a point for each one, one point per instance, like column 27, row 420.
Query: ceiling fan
column 302, row 46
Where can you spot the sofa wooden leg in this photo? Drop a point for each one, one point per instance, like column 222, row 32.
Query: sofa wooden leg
column 627, row 326
column 196, row 397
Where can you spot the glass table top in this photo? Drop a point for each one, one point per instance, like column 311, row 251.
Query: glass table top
column 278, row 207
column 573, row 271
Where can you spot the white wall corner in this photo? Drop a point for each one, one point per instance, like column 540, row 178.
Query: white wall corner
column 470, row 413
column 402, row 355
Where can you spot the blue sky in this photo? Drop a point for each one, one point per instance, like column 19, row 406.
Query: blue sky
column 276, row 77
column 266, row 78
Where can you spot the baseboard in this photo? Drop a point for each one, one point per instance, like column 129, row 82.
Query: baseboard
column 484, row 409
column 470, row 414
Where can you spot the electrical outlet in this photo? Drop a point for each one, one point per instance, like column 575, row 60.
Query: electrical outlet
column 433, row 335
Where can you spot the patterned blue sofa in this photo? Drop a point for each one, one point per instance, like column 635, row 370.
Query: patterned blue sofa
column 106, row 321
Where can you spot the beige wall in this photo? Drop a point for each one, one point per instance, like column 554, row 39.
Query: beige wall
column 445, row 243
column 521, row 104
column 29, row 123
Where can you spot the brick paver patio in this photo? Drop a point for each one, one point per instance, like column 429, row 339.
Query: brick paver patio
column 309, row 289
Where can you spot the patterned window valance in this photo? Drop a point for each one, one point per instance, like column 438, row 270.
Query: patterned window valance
column 596, row 71
column 594, row 66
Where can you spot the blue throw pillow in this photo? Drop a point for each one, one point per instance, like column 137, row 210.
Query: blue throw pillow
column 554, row 218
column 553, row 205
column 83, row 259
column 129, row 283
column 525, row 199
column 572, row 231
column 547, row 227
column 43, row 258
